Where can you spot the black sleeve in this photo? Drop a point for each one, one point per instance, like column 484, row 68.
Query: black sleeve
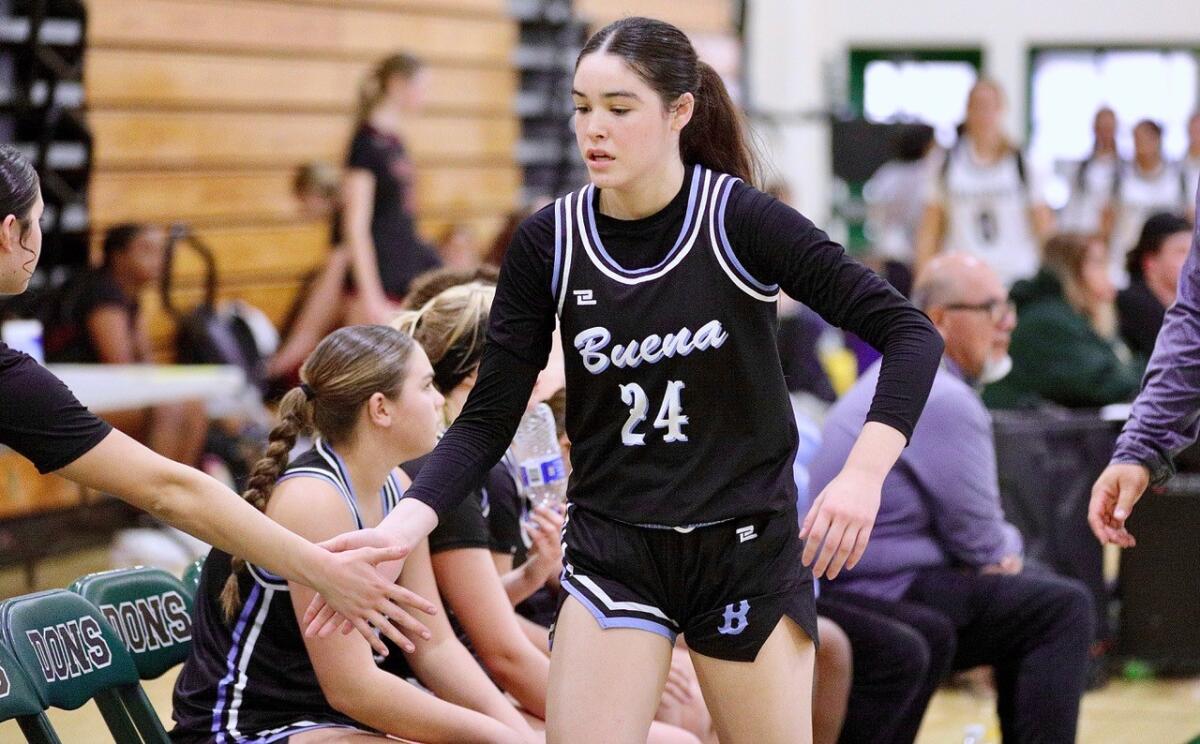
column 464, row 527
column 504, row 515
column 363, row 153
column 520, row 328
column 40, row 418
column 779, row 245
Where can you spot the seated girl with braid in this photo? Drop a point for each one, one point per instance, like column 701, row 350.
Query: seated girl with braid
column 368, row 397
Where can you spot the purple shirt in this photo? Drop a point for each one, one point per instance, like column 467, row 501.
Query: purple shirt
column 1166, row 415
column 941, row 503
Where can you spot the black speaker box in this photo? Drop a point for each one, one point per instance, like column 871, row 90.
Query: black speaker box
column 1160, row 579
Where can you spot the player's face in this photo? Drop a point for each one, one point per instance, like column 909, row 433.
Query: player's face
column 985, row 106
column 1147, row 143
column 22, row 249
column 420, row 407
column 622, row 128
column 147, row 253
column 1105, row 126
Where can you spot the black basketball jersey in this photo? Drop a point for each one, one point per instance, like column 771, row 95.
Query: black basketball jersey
column 251, row 678
column 676, row 408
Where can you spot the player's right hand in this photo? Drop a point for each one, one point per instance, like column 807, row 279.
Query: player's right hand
column 359, row 591
column 839, row 523
column 1113, row 497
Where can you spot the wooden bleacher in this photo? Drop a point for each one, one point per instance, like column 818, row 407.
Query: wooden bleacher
column 201, row 109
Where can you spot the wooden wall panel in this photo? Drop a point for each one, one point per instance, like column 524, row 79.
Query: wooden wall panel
column 693, row 16
column 202, row 109
column 141, row 138
column 199, row 81
column 298, row 30
column 248, row 197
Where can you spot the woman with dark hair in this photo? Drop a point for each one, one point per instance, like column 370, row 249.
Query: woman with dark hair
column 96, row 318
column 1148, row 184
column 1065, row 348
column 1153, row 265
column 377, row 219
column 1095, row 182
column 41, row 420
column 664, row 272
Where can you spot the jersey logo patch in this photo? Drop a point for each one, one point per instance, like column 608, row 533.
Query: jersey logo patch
column 746, row 534
column 736, row 620
column 583, row 297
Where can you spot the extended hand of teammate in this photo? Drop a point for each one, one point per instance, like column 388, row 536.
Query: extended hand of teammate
column 361, row 592
column 840, row 521
column 1116, row 491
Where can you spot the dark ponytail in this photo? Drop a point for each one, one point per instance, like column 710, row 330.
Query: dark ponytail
column 665, row 59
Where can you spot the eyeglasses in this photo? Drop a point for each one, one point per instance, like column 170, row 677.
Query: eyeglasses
column 998, row 310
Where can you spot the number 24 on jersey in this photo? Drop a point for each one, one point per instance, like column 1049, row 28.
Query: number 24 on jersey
column 670, row 413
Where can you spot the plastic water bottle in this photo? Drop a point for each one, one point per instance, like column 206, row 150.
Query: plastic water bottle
column 541, row 473
column 974, row 734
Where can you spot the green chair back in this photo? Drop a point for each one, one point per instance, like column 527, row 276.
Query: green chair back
column 72, row 655
column 20, row 700
column 151, row 611
column 191, row 577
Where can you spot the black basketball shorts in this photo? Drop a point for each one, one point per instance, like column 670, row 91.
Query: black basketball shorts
column 724, row 586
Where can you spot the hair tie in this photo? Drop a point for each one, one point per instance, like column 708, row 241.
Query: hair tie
column 309, row 393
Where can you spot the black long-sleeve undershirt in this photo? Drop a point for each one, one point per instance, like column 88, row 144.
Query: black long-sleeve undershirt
column 773, row 241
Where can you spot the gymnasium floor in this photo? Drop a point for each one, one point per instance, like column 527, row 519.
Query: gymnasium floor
column 1146, row 712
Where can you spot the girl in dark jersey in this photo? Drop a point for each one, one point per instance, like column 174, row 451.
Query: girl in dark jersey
column 663, row 273
column 451, row 328
column 378, row 224
column 368, row 394
column 42, row 420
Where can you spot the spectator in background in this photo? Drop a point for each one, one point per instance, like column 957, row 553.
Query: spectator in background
column 941, row 543
column 1065, row 348
column 1094, row 184
column 895, row 198
column 96, row 318
column 880, row 667
column 508, row 229
column 320, row 305
column 1149, row 184
column 459, row 246
column 986, row 200
column 1154, row 265
column 378, row 223
column 1191, row 165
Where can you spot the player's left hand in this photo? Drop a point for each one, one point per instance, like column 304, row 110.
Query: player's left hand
column 839, row 523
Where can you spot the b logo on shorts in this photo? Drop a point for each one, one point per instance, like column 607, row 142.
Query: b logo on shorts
column 735, row 619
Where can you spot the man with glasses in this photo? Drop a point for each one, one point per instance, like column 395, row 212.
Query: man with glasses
column 941, row 541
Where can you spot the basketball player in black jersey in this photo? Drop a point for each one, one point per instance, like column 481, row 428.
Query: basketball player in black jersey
column 664, row 273
column 451, row 328
column 252, row 676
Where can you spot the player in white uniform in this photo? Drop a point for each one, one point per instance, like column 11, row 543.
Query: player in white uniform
column 1148, row 184
column 986, row 202
column 1095, row 181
